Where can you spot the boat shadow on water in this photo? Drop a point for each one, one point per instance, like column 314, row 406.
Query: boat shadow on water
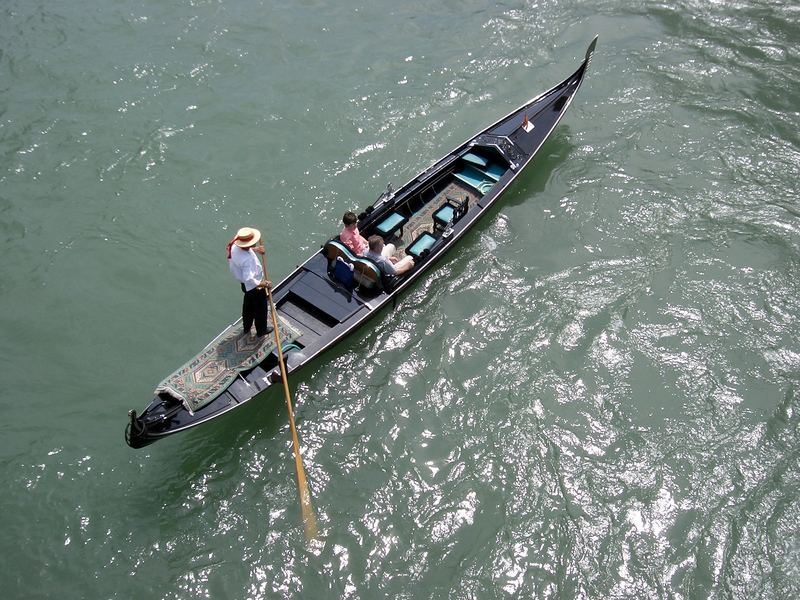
column 556, row 151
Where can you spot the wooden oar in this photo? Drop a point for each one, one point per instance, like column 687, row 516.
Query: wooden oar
column 309, row 519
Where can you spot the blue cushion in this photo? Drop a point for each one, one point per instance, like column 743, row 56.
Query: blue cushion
column 477, row 179
column 342, row 250
column 390, row 223
column 475, row 159
column 444, row 215
column 422, row 243
column 494, row 171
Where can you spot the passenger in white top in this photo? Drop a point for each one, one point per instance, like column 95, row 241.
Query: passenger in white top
column 246, row 268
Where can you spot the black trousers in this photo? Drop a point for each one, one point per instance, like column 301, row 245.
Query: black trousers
column 254, row 308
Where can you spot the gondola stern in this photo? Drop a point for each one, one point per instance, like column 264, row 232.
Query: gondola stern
column 138, row 430
column 134, row 430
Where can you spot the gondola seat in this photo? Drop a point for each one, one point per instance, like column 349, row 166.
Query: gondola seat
column 334, row 249
column 444, row 215
column 450, row 212
column 421, row 245
column 475, row 178
column 391, row 224
column 475, row 159
column 494, row 171
column 340, row 262
column 367, row 275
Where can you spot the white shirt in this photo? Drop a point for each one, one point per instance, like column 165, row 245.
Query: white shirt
column 246, row 267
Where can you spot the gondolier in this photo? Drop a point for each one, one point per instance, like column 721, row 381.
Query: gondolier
column 246, row 268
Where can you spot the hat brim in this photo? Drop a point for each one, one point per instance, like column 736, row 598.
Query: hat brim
column 251, row 242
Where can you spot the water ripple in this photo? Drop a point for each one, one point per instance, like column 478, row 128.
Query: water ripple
column 596, row 396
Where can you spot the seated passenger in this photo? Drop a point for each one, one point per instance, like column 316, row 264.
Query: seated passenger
column 388, row 265
column 350, row 235
column 352, row 238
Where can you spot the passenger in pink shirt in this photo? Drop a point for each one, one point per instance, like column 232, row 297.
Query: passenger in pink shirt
column 350, row 235
column 353, row 239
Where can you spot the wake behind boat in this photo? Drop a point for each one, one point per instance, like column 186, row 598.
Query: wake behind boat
column 334, row 292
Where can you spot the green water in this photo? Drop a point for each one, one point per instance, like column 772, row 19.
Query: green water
column 596, row 396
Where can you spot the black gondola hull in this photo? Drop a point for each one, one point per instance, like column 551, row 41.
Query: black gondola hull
column 461, row 186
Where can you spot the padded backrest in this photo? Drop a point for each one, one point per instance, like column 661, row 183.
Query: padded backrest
column 334, row 249
column 494, row 171
column 475, row 159
column 367, row 274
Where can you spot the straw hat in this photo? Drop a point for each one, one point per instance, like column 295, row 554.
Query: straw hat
column 247, row 237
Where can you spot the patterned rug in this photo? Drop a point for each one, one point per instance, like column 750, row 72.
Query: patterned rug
column 422, row 220
column 211, row 371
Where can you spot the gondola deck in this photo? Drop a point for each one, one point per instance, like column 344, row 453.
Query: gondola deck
column 425, row 218
column 422, row 220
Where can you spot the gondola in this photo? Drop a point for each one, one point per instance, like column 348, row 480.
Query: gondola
column 334, row 292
